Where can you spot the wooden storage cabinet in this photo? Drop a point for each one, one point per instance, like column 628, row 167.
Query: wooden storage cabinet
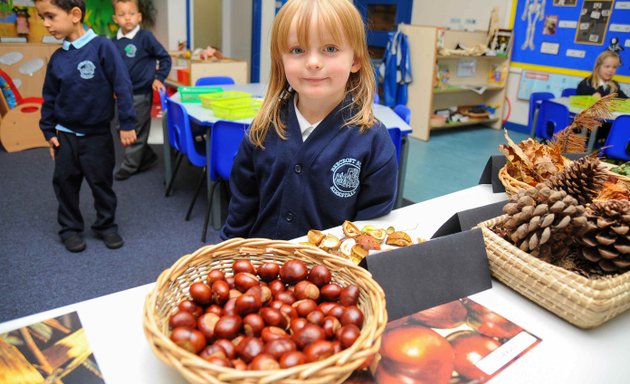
column 424, row 99
column 236, row 69
column 30, row 83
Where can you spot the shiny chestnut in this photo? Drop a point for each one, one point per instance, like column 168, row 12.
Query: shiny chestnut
column 268, row 271
column 243, row 265
column 200, row 293
column 293, row 271
column 319, row 275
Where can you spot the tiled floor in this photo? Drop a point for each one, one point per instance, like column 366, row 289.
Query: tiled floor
column 451, row 160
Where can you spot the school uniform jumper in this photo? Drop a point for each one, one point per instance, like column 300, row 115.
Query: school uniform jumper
column 140, row 51
column 81, row 79
column 291, row 186
column 586, row 88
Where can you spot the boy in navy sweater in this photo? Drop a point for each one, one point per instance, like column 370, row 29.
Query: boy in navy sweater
column 81, row 80
column 140, row 51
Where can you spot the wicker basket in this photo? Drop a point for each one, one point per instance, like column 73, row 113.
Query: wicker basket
column 512, row 186
column 586, row 303
column 172, row 287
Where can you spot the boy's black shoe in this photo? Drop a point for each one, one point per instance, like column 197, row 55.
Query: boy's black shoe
column 122, row 174
column 112, row 240
column 149, row 163
column 74, row 243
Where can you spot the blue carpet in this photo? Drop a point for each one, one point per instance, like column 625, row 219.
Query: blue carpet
column 451, row 160
column 37, row 273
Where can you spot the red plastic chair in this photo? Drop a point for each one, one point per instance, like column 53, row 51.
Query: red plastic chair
column 19, row 128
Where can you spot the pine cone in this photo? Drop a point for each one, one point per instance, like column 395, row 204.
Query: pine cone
column 605, row 239
column 582, row 179
column 542, row 221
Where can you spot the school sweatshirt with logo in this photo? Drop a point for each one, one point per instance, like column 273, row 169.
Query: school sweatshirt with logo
column 79, row 90
column 140, row 55
column 291, row 186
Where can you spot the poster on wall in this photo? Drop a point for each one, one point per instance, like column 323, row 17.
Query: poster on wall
column 578, row 30
column 564, row 3
column 593, row 22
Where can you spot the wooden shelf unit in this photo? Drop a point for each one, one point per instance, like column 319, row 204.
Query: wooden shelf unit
column 423, row 98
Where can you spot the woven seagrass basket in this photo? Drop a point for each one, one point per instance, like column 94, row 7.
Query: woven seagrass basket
column 586, row 303
column 173, row 284
column 512, row 186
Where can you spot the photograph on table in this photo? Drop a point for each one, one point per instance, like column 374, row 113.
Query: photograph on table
column 593, row 22
column 457, row 342
column 55, row 350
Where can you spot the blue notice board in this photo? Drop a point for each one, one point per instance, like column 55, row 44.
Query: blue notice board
column 570, row 34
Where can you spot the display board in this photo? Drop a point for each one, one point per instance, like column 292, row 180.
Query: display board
column 570, row 34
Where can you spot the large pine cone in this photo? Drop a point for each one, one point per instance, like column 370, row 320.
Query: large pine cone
column 605, row 239
column 542, row 221
column 582, row 179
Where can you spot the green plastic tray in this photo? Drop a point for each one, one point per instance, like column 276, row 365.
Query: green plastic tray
column 207, row 101
column 236, row 109
column 192, row 94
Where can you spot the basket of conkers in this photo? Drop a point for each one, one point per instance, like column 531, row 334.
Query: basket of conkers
column 265, row 311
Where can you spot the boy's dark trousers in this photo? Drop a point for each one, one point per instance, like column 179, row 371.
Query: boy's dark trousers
column 91, row 157
column 139, row 153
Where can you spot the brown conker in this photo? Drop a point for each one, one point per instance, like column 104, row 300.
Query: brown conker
column 228, row 327
column 268, row 271
column 206, row 324
column 220, row 292
column 308, row 334
column 279, row 347
column 319, row 275
column 349, row 295
column 306, row 290
column 243, row 265
column 182, row 319
column 200, row 293
column 264, row 362
column 347, row 335
column 318, row 350
column 246, row 304
column 214, row 275
column 190, row 339
column 291, row 359
column 253, row 324
column 249, row 347
column 293, row 271
column 330, row 292
column 190, row 306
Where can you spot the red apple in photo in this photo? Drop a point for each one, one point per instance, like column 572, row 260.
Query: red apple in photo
column 469, row 348
column 449, row 315
column 384, row 376
column 417, row 352
column 489, row 323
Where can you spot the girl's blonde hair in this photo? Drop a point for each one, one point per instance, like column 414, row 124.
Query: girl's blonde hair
column 343, row 21
column 595, row 79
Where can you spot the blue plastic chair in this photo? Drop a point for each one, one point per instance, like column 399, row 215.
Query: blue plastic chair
column 214, row 80
column 175, row 139
column 396, row 135
column 552, row 118
column 226, row 137
column 404, row 112
column 192, row 148
column 534, row 102
column 569, row 92
column 617, row 144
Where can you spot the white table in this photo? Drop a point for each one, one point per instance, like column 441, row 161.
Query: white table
column 567, row 354
column 205, row 117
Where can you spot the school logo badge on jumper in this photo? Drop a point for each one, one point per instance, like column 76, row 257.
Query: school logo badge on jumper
column 345, row 177
column 86, row 69
column 130, row 50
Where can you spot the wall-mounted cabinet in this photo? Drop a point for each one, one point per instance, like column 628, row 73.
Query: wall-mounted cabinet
column 471, row 79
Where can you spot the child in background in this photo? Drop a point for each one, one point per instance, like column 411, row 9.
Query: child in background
column 314, row 155
column 601, row 84
column 140, row 51
column 82, row 78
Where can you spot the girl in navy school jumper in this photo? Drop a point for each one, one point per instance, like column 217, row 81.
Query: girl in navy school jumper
column 140, row 51
column 601, row 84
column 81, row 80
column 314, row 155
